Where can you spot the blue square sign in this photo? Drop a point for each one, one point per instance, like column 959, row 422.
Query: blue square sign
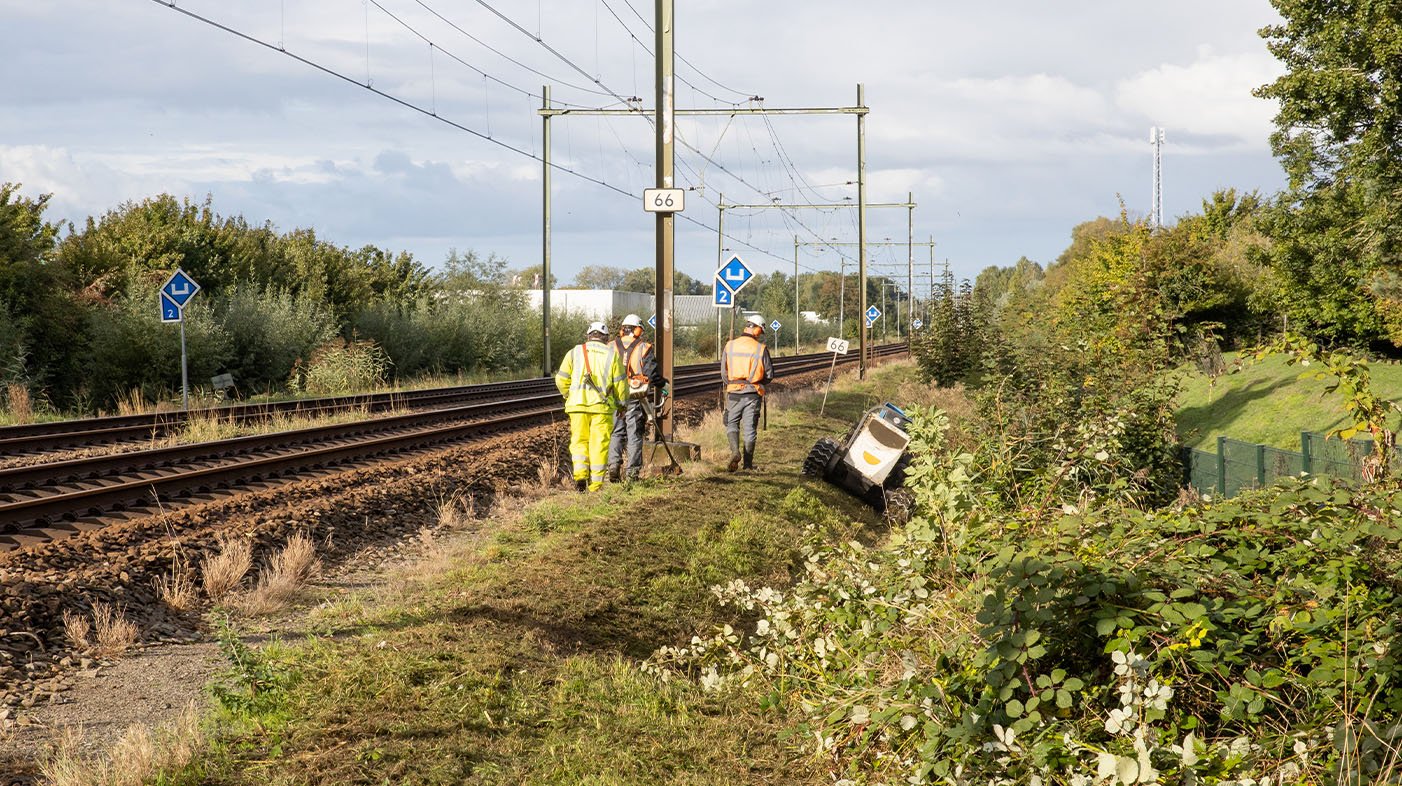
column 179, row 288
column 735, row 275
column 170, row 312
column 873, row 314
column 775, row 325
column 722, row 297
column 918, row 324
column 652, row 321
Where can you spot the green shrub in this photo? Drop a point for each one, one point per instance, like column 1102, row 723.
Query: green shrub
column 269, row 331
column 1248, row 639
column 341, row 367
column 130, row 348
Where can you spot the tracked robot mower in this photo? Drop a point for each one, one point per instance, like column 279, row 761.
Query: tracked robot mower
column 870, row 462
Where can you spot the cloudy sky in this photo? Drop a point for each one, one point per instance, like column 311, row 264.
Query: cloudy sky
column 1010, row 121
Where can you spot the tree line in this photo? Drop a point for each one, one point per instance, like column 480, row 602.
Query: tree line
column 80, row 330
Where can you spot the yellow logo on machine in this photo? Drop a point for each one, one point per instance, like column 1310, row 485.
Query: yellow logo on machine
column 870, row 459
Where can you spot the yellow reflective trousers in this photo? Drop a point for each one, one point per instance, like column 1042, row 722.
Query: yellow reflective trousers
column 589, row 446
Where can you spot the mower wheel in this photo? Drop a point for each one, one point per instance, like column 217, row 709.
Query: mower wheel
column 820, row 457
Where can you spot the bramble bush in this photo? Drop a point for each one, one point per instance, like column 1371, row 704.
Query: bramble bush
column 1247, row 641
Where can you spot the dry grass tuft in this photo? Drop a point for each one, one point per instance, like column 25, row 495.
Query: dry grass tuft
column 455, row 511
column 18, row 403
column 177, row 590
column 283, row 577
column 133, row 403
column 205, row 427
column 710, row 435
column 78, row 630
column 139, row 756
column 114, row 633
column 548, row 475
column 224, row 571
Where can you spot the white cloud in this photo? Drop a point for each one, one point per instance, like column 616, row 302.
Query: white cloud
column 1209, row 97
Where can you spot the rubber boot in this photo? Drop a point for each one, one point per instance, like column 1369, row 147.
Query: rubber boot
column 581, row 485
column 750, row 457
column 613, row 475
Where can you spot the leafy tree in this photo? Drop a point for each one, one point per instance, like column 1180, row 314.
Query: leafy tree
column 1338, row 248
column 41, row 316
column 644, row 279
column 599, row 277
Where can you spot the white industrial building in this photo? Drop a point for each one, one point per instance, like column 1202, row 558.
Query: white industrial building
column 600, row 304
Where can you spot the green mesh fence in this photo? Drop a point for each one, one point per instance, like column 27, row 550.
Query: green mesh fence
column 1241, row 460
column 1238, row 465
column 1201, row 467
column 1335, row 456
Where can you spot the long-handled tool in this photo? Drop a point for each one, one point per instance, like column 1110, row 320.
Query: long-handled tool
column 648, row 409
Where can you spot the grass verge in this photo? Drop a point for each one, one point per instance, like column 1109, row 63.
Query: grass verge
column 511, row 656
column 1267, row 402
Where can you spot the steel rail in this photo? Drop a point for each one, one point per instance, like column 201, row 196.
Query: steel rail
column 42, row 495
column 87, row 432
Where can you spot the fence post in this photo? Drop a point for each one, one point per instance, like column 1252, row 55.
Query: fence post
column 1307, row 459
column 1260, row 466
column 1222, row 466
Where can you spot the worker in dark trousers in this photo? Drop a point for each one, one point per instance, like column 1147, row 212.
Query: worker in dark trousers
column 592, row 382
column 745, row 367
column 630, row 426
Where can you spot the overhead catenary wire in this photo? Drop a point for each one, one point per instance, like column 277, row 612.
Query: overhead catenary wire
column 485, row 76
column 506, row 57
column 431, row 111
column 390, row 96
column 694, row 67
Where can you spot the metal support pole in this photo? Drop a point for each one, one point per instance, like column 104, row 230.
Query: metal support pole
column 842, row 297
column 720, row 262
column 545, row 359
column 862, row 228
column 184, row 367
column 885, row 317
column 929, row 314
column 796, row 321
column 666, row 222
column 910, row 266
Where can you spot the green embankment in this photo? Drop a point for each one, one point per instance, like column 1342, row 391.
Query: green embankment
column 513, row 656
column 1267, row 402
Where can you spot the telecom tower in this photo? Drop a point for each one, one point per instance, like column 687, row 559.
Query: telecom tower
column 1156, row 212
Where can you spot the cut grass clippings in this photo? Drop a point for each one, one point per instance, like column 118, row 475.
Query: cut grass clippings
column 515, row 660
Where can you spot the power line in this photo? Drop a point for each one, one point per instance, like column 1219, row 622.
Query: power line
column 170, row 4
column 440, row 48
column 694, row 67
column 645, row 48
column 396, row 99
column 507, row 57
column 552, row 50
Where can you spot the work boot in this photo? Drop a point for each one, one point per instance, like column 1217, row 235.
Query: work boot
column 734, row 462
column 581, row 485
column 613, row 475
column 749, row 461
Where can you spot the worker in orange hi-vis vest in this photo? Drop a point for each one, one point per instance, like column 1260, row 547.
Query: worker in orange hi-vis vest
column 591, row 380
column 746, row 368
column 630, row 426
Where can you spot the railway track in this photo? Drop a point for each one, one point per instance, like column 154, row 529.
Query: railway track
column 43, row 501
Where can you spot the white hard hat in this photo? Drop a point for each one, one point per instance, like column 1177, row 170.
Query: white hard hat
column 597, row 327
column 756, row 320
column 632, row 320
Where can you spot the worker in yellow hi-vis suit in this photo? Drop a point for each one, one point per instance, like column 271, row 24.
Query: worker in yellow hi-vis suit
column 592, row 381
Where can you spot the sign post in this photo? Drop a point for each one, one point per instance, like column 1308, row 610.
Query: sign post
column 837, row 347
column 774, row 326
column 174, row 294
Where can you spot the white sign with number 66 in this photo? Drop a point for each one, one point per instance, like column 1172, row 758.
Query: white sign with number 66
column 838, row 345
column 664, row 200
